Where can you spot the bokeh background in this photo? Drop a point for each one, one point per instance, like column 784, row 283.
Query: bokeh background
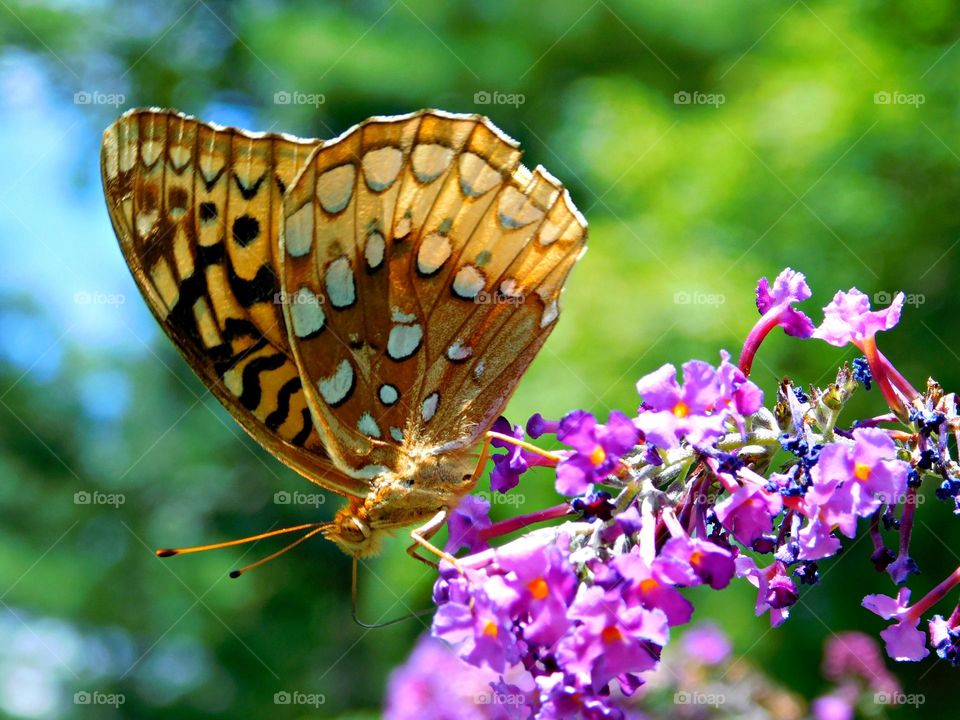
column 707, row 143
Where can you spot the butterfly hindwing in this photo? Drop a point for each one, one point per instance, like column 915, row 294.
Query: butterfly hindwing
column 196, row 208
column 431, row 262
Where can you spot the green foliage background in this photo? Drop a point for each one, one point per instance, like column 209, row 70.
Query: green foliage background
column 801, row 165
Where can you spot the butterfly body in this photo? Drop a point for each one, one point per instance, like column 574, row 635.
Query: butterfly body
column 430, row 486
column 364, row 306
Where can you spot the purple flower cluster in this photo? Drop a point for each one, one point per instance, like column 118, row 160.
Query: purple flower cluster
column 573, row 619
column 572, row 615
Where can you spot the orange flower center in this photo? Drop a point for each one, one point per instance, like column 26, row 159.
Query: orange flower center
column 491, row 629
column 696, row 557
column 861, row 471
column 538, row 588
column 681, row 409
column 598, row 456
column 649, row 584
column 611, row 635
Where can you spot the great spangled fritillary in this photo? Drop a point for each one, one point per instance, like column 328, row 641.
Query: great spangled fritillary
column 364, row 307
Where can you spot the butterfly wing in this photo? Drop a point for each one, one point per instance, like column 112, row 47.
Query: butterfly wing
column 423, row 265
column 196, row 209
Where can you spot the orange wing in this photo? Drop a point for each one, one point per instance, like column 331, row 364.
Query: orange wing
column 196, row 209
column 423, row 266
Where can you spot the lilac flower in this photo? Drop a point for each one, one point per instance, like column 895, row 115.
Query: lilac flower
column 435, row 683
column 544, row 585
column 945, row 640
column 697, row 411
column 509, row 466
column 817, row 539
column 748, row 513
column 835, row 706
column 772, row 588
column 904, row 641
column 852, row 481
column 697, row 561
column 610, row 638
column 466, row 522
column 856, row 657
column 562, row 698
column 597, row 449
column 848, row 319
column 707, row 643
column 776, row 309
column 647, row 584
column 477, row 624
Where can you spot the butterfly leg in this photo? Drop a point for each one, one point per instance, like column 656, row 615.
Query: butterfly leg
column 529, row 447
column 421, row 539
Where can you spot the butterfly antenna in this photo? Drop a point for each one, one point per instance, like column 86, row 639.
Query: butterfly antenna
column 317, row 528
column 375, row 626
column 169, row 552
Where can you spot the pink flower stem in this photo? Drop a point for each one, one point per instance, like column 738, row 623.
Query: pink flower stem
column 672, row 523
column 906, row 522
column 877, row 420
column 954, row 617
column 902, row 384
column 767, row 322
column 880, row 375
column 935, row 595
column 875, row 535
column 521, row 521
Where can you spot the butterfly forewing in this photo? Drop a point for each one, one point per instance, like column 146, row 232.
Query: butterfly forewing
column 430, row 264
column 196, row 209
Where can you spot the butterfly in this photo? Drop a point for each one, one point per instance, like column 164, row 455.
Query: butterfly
column 364, row 307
